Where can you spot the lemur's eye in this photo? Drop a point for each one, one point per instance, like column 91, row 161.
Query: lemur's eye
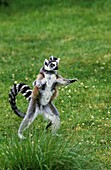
column 52, row 65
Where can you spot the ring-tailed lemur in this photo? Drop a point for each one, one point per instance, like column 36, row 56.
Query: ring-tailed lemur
column 41, row 97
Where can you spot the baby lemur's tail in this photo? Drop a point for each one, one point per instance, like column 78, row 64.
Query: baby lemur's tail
column 25, row 91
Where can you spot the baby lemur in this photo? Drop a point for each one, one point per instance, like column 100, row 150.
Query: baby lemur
column 41, row 97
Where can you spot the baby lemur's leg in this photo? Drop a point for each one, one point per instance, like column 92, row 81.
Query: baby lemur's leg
column 52, row 114
column 32, row 112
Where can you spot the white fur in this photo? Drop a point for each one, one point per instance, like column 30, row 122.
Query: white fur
column 47, row 93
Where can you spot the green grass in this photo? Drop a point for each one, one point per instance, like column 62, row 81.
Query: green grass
column 79, row 32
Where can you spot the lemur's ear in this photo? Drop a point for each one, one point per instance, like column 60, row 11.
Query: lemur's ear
column 46, row 62
column 58, row 60
column 55, row 59
column 52, row 57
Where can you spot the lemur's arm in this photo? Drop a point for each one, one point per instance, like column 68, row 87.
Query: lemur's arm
column 37, row 84
column 62, row 81
column 39, row 80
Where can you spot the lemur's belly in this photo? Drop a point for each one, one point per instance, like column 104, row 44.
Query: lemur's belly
column 46, row 97
column 48, row 90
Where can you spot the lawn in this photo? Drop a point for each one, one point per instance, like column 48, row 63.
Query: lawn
column 78, row 32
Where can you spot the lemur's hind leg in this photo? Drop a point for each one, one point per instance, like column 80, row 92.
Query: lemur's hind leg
column 32, row 112
column 52, row 114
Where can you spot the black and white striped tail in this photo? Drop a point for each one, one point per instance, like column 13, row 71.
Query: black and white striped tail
column 25, row 91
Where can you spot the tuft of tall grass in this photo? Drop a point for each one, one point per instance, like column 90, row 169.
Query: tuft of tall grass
column 44, row 152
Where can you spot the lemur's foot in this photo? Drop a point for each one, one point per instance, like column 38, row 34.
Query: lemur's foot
column 21, row 136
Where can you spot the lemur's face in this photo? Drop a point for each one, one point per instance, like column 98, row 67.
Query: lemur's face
column 51, row 64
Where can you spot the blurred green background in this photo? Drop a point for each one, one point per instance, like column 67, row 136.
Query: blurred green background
column 78, row 32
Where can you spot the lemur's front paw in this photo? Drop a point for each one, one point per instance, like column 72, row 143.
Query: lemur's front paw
column 21, row 136
column 73, row 80
column 37, row 83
